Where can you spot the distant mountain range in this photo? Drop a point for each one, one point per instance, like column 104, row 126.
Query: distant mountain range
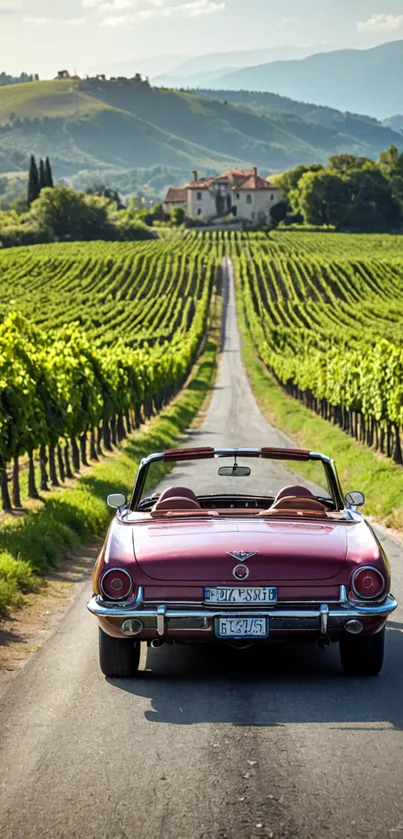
column 361, row 81
column 199, row 70
column 395, row 122
column 106, row 127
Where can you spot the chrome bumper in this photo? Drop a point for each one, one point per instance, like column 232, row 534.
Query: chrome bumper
column 162, row 618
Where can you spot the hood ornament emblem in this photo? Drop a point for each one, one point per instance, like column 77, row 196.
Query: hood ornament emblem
column 241, row 556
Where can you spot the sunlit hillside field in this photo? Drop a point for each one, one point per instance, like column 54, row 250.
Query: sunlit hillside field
column 325, row 312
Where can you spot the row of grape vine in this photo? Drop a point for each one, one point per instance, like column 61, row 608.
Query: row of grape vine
column 94, row 339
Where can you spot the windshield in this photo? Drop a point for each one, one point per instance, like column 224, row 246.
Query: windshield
column 266, row 478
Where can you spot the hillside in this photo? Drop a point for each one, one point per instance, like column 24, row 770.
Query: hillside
column 307, row 120
column 362, row 81
column 100, row 126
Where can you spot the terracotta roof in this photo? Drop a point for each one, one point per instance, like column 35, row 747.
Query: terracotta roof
column 238, row 179
column 256, row 182
column 202, row 183
column 174, row 196
column 236, row 176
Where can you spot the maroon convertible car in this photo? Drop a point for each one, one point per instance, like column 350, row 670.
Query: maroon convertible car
column 240, row 546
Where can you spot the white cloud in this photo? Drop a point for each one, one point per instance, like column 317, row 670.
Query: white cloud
column 46, row 21
column 381, row 22
column 145, row 9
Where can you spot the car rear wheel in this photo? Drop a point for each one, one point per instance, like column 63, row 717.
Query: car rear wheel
column 119, row 658
column 362, row 656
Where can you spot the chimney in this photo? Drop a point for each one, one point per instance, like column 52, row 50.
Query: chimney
column 255, row 173
column 195, row 175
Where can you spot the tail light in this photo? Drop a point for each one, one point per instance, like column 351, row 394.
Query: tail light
column 367, row 583
column 117, row 584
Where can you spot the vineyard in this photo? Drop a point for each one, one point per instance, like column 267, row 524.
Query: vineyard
column 97, row 337
column 325, row 314
column 94, row 338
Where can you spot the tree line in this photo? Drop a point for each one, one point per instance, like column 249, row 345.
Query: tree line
column 350, row 193
column 23, row 78
column 39, row 178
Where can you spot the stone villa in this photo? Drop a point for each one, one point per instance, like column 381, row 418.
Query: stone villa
column 241, row 193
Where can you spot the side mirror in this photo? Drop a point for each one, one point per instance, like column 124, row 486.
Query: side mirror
column 116, row 501
column 355, row 499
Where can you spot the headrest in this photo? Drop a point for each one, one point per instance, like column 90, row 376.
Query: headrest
column 175, row 503
column 294, row 503
column 295, row 491
column 177, row 492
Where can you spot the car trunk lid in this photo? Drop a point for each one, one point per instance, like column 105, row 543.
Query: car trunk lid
column 190, row 551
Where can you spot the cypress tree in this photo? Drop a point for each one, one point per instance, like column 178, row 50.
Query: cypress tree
column 33, row 181
column 42, row 176
column 48, row 173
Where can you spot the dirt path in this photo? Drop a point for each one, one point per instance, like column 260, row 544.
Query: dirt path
column 204, row 745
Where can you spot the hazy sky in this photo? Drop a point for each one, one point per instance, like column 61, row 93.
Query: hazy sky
column 46, row 35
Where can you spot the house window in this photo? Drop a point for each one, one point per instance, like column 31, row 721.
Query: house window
column 199, row 212
column 248, row 199
column 199, row 196
column 272, row 197
column 237, row 196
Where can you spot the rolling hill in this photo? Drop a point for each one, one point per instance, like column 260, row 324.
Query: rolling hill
column 362, row 81
column 121, row 125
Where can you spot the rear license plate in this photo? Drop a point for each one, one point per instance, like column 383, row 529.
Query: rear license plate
column 241, row 596
column 242, row 627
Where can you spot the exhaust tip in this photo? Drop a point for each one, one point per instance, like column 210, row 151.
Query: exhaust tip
column 156, row 644
column 354, row 627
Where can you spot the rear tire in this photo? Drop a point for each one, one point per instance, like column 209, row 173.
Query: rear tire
column 362, row 656
column 119, row 658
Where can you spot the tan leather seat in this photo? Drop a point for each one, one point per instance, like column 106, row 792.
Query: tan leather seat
column 178, row 492
column 179, row 503
column 294, row 491
column 176, row 498
column 294, row 503
column 297, row 506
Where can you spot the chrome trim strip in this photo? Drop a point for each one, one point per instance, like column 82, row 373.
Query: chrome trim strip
column 324, row 617
column 175, row 602
column 98, row 607
column 161, row 611
column 273, row 605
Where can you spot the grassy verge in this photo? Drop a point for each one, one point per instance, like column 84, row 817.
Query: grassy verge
column 31, row 545
column 359, row 467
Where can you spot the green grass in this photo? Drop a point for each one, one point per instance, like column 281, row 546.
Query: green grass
column 35, row 543
column 359, row 468
column 60, row 98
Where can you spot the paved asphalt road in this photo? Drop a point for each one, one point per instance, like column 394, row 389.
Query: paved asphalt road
column 204, row 744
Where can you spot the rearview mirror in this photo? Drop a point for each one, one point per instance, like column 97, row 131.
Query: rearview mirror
column 355, row 499
column 116, row 501
column 234, row 471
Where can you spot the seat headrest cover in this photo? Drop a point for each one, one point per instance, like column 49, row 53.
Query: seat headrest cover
column 295, row 491
column 176, row 503
column 177, row 492
column 294, row 503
